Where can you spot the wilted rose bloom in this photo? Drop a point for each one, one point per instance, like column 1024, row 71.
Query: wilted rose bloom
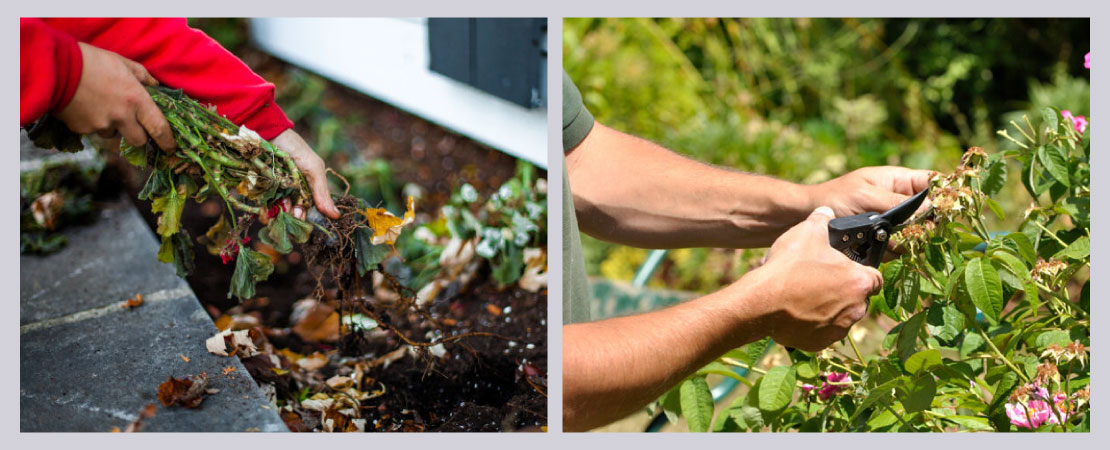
column 1087, row 60
column 1044, row 271
column 827, row 390
column 1080, row 122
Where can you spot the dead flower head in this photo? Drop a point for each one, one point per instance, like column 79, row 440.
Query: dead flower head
column 1046, row 271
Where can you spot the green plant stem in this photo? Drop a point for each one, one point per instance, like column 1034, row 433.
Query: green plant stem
column 843, row 367
column 733, row 362
column 933, row 420
column 1050, row 233
column 998, row 352
column 896, row 415
column 852, row 341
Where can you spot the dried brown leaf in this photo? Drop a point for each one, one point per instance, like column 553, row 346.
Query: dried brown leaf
column 187, row 391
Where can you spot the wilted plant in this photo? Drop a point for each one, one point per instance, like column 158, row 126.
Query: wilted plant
column 250, row 176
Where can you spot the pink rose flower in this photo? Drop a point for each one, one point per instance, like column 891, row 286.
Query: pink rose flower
column 1087, row 61
column 1037, row 411
column 827, row 390
column 806, row 387
column 1080, row 122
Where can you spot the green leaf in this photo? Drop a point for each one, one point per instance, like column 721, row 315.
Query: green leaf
column 1080, row 210
column 51, row 132
column 944, row 321
column 170, row 205
column 970, row 423
column 178, row 250
column 994, row 178
column 1012, row 263
column 747, row 416
column 906, row 344
column 985, row 288
column 776, row 389
column 805, row 370
column 1023, row 246
column 880, row 394
column 918, row 394
column 1058, row 337
column 134, row 155
column 995, row 208
column 1056, row 162
column 368, row 254
column 671, row 404
column 1008, row 380
column 1077, row 250
column 508, row 266
column 157, row 184
column 892, row 274
column 283, row 231
column 165, row 251
column 1084, row 425
column 1051, row 118
column 697, row 403
column 909, row 292
column 756, row 350
column 250, row 267
column 923, row 361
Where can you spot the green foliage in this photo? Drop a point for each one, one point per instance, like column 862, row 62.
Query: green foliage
column 511, row 220
column 991, row 323
column 283, row 231
column 697, row 403
column 251, row 267
column 833, row 94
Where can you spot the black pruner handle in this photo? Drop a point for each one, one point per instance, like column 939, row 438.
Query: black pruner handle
column 862, row 237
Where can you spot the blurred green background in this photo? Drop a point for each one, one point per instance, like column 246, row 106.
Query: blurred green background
column 810, row 99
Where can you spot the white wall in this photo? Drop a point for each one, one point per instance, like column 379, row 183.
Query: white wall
column 387, row 58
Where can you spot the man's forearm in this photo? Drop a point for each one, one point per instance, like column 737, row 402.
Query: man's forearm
column 613, row 367
column 630, row 191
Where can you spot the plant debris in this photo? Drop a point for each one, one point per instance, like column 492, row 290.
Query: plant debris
column 230, row 343
column 187, row 391
column 133, row 302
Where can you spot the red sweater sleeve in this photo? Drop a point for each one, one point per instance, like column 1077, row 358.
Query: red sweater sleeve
column 49, row 69
column 185, row 58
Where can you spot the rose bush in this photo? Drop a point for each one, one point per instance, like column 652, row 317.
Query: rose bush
column 993, row 328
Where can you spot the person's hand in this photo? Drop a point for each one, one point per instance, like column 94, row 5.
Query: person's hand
column 110, row 100
column 313, row 169
column 870, row 189
column 814, row 293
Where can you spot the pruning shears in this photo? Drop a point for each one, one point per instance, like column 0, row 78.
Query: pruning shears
column 863, row 237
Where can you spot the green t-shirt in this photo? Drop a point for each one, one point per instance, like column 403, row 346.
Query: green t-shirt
column 577, row 123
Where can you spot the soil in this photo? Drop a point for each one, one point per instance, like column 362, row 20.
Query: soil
column 494, row 382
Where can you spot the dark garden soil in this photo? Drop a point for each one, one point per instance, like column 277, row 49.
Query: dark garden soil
column 490, row 382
